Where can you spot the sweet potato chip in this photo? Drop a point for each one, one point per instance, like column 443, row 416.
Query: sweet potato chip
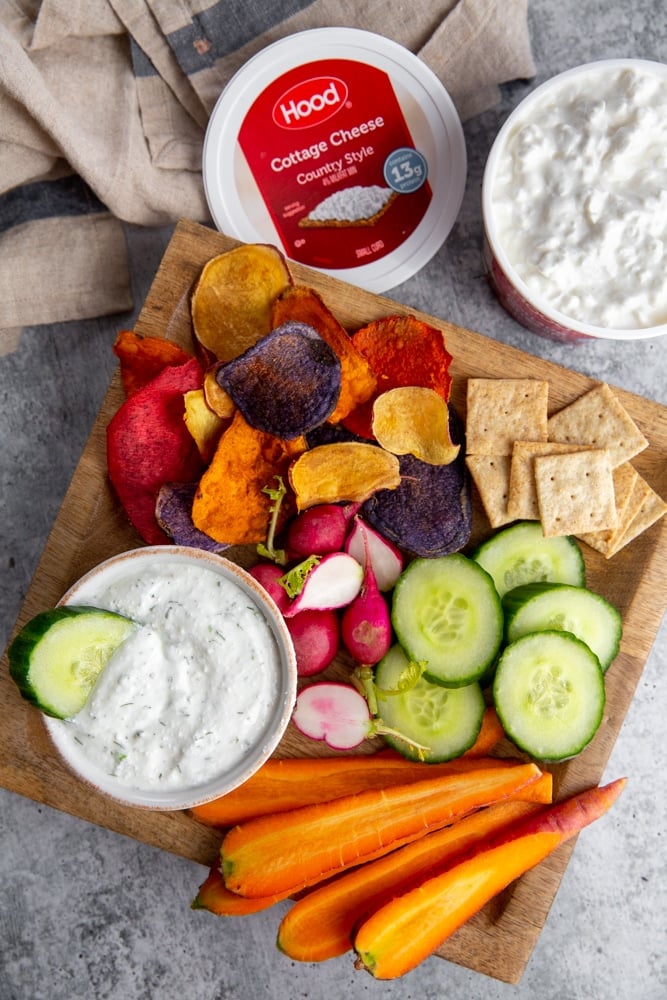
column 142, row 358
column 232, row 299
column 218, row 400
column 229, row 504
column 349, row 470
column 148, row 444
column 173, row 510
column 401, row 350
column 304, row 305
column 411, row 420
column 204, row 425
column 430, row 513
column 285, row 384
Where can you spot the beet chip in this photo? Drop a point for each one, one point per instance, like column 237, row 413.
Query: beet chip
column 148, row 444
column 430, row 513
column 285, row 384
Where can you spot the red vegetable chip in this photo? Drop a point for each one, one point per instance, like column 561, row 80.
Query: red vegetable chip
column 402, row 351
column 148, row 444
column 142, row 358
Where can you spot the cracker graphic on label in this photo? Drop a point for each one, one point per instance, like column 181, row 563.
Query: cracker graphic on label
column 352, row 206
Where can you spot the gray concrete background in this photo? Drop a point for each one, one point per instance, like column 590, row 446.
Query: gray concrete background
column 87, row 914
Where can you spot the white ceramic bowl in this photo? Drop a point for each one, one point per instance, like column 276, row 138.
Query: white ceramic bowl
column 264, row 619
column 507, row 277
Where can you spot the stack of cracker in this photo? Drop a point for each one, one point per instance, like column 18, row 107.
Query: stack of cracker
column 571, row 471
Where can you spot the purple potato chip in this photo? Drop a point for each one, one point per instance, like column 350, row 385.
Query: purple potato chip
column 173, row 510
column 430, row 513
column 287, row 383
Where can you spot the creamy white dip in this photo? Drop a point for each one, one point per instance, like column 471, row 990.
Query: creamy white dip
column 580, row 197
column 190, row 691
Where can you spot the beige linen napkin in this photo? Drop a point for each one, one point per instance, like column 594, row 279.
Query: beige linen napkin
column 104, row 105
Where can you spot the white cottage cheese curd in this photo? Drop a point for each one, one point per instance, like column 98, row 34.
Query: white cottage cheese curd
column 190, row 691
column 579, row 196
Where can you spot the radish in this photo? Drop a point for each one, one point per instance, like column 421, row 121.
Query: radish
column 387, row 560
column 338, row 714
column 366, row 621
column 316, row 638
column 319, row 530
column 268, row 574
column 331, row 582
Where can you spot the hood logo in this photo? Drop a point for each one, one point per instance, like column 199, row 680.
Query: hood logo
column 309, row 103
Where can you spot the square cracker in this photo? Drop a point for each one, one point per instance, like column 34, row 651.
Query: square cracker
column 502, row 411
column 522, row 496
column 598, row 420
column 575, row 492
column 491, row 474
column 651, row 509
column 628, row 497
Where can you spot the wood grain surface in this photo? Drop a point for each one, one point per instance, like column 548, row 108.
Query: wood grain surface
column 91, row 526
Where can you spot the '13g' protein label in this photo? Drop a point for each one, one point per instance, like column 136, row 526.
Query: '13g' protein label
column 336, row 166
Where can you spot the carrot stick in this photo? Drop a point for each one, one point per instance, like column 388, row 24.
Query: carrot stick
column 289, row 851
column 489, row 735
column 319, row 926
column 214, row 896
column 280, row 785
column 405, row 930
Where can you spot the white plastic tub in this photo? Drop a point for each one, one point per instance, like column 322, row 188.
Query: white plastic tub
column 574, row 200
column 341, row 148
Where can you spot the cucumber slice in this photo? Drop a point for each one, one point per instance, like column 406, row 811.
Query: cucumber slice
column 446, row 614
column 57, row 656
column 445, row 720
column 537, row 607
column 521, row 554
column 549, row 694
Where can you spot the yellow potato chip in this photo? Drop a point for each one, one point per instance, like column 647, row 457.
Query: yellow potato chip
column 204, row 425
column 348, row 470
column 412, row 420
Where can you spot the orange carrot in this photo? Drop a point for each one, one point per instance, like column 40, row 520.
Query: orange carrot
column 489, row 735
column 214, row 896
column 289, row 851
column 280, row 785
column 319, row 926
column 407, row 929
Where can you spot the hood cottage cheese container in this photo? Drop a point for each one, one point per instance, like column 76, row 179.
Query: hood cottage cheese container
column 574, row 200
column 343, row 149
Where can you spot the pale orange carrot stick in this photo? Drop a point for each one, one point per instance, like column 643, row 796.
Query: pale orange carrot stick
column 400, row 934
column 289, row 851
column 319, row 925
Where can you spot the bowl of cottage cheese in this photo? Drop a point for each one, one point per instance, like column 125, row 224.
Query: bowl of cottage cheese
column 198, row 696
column 574, row 201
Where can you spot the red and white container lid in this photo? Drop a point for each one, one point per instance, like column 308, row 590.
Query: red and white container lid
column 343, row 149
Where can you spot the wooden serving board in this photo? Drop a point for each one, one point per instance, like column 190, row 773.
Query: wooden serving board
column 91, row 526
